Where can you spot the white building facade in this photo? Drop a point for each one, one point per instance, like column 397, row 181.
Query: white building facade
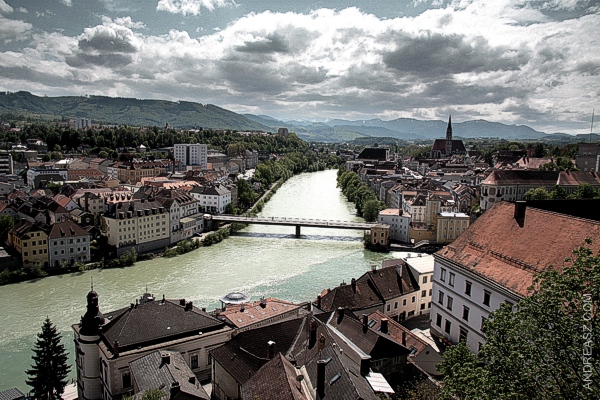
column 191, row 154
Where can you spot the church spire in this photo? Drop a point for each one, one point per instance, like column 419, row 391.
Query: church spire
column 449, row 137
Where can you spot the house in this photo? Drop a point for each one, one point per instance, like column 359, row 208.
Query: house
column 12, row 394
column 30, row 239
column 494, row 262
column 421, row 267
column 68, row 243
column 213, row 198
column 392, row 289
column 399, row 222
column 108, row 345
column 327, row 365
column 142, row 225
column 423, row 354
column 168, row 372
column 265, row 311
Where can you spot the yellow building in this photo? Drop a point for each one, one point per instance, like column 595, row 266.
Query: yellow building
column 451, row 225
column 380, row 235
column 31, row 241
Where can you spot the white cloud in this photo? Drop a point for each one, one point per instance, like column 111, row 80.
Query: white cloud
column 480, row 60
column 5, row 8
column 22, row 10
column 192, row 7
column 13, row 30
column 67, row 3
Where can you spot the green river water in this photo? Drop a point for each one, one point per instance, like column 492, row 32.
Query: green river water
column 259, row 261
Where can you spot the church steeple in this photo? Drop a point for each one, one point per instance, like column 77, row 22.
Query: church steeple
column 449, row 137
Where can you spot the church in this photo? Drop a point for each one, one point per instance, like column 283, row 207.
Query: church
column 447, row 147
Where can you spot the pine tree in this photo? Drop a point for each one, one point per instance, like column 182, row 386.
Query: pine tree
column 48, row 374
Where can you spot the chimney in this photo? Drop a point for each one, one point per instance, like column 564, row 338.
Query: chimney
column 384, row 325
column 373, row 267
column 182, row 302
column 263, row 302
column 340, row 315
column 321, row 378
column 312, row 338
column 174, row 388
column 403, row 338
column 365, row 322
column 165, row 358
column 271, row 349
column 353, row 284
column 116, row 348
column 520, row 208
column 365, row 365
column 188, row 306
column 319, row 301
column 242, row 307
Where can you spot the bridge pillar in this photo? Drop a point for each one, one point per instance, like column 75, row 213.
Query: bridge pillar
column 297, row 231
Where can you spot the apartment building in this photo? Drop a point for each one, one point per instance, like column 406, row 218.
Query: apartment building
column 399, row 222
column 68, row 243
column 30, row 239
column 191, row 154
column 142, row 225
column 494, row 261
column 213, row 199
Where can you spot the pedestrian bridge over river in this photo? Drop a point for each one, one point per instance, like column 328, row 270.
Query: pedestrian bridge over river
column 297, row 222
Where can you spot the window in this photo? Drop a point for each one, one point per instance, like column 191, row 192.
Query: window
column 451, row 279
column 441, row 298
column 482, row 322
column 389, row 306
column 465, row 313
column 403, row 302
column 463, row 334
column 449, row 303
column 479, row 345
column 423, row 306
column 414, row 298
column 448, row 327
column 395, row 305
column 468, row 288
column 430, row 292
column 425, row 279
column 126, row 380
column 423, row 293
column 443, row 274
column 194, row 361
column 486, row 297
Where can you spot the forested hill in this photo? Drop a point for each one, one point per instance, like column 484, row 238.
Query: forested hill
column 127, row 111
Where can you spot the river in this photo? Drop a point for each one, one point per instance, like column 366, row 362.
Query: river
column 259, row 261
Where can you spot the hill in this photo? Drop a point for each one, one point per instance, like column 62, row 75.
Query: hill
column 128, row 111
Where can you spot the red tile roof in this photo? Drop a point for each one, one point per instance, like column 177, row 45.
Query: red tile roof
column 497, row 248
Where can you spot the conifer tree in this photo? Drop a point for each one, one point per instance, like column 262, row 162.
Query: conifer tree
column 48, row 374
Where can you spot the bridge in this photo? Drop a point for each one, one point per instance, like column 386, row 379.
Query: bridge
column 297, row 222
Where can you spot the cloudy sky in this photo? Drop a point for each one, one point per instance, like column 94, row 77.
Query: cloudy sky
column 535, row 63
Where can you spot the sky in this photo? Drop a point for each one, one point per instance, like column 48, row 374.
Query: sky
column 534, row 63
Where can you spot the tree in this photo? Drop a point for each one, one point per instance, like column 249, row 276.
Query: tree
column 371, row 210
column 48, row 374
column 6, row 224
column 537, row 194
column 546, row 348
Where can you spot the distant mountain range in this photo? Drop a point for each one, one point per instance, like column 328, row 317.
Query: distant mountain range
column 183, row 114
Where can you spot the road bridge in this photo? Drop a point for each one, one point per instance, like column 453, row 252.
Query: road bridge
column 297, row 222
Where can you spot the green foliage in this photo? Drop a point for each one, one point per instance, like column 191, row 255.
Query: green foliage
column 126, row 260
column 6, row 224
column 184, row 246
column 584, row 191
column 358, row 193
column 48, row 374
column 150, row 394
column 561, row 164
column 371, row 210
column 216, row 237
column 547, row 348
column 537, row 194
column 21, row 274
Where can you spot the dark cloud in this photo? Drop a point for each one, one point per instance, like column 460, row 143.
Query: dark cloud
column 251, row 78
column 436, row 55
column 114, row 60
column 270, row 44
